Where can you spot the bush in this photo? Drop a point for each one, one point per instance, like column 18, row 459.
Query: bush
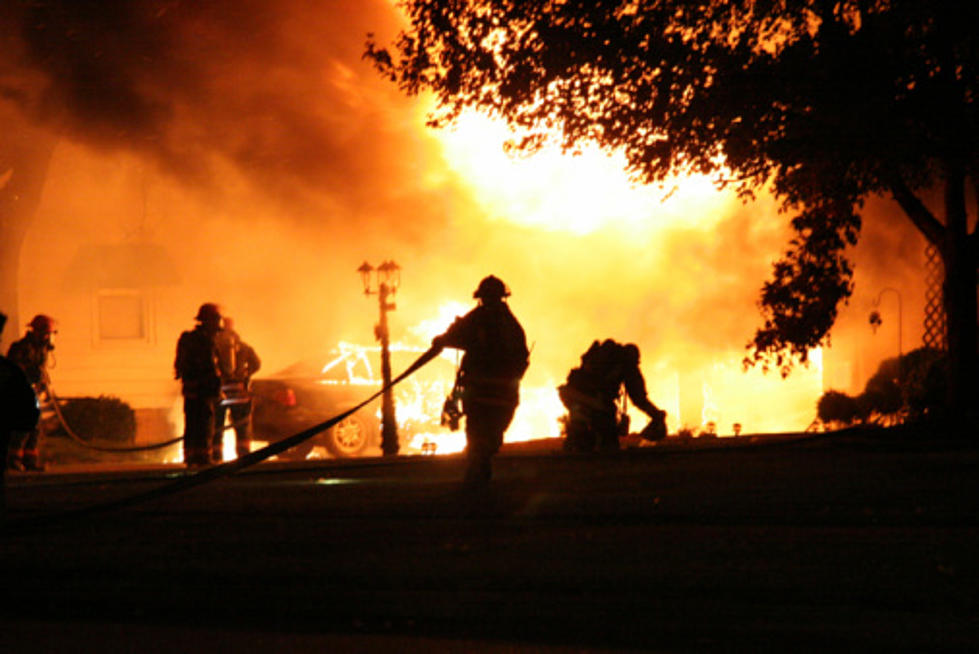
column 836, row 408
column 99, row 418
column 925, row 381
column 911, row 388
column 883, row 395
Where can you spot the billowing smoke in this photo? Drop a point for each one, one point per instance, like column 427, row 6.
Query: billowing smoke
column 252, row 129
column 252, row 139
column 275, row 89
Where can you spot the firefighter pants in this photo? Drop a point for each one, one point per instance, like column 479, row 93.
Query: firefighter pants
column 589, row 430
column 198, row 429
column 485, row 425
column 24, row 449
column 241, row 418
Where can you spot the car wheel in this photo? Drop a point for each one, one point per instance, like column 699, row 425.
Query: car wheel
column 349, row 437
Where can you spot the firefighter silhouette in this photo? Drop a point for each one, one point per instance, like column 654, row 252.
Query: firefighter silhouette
column 19, row 412
column 591, row 394
column 30, row 353
column 196, row 366
column 237, row 361
column 494, row 362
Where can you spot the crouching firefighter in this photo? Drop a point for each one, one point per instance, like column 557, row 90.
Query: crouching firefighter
column 591, row 393
column 488, row 382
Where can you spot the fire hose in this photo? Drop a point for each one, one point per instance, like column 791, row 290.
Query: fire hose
column 55, row 401
column 217, row 471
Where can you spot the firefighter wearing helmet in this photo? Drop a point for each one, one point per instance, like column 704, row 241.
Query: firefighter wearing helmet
column 238, row 361
column 591, row 395
column 494, row 362
column 19, row 412
column 196, row 366
column 31, row 354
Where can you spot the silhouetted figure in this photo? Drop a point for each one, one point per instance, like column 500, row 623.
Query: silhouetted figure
column 196, row 366
column 591, row 392
column 495, row 360
column 19, row 411
column 31, row 354
column 238, row 362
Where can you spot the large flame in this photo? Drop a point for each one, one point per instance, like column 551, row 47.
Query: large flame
column 580, row 193
column 581, row 197
column 588, row 196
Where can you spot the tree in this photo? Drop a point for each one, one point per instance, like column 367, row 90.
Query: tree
column 823, row 103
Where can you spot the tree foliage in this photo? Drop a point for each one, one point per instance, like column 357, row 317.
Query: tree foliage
column 823, row 102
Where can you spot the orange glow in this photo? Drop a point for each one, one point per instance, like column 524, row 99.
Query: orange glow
column 594, row 257
column 577, row 194
column 286, row 161
column 588, row 198
column 446, row 312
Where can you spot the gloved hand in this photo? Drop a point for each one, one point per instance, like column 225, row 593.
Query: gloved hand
column 656, row 429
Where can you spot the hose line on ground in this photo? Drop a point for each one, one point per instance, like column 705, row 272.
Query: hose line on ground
column 209, row 474
column 56, row 403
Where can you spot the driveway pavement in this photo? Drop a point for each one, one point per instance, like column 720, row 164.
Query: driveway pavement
column 849, row 541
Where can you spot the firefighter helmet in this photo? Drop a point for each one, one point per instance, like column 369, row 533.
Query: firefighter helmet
column 208, row 310
column 491, row 288
column 42, row 324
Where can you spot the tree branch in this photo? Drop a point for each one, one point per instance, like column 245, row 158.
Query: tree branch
column 918, row 213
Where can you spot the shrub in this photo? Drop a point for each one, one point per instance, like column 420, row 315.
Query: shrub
column 883, row 395
column 836, row 408
column 911, row 388
column 925, row 382
column 99, row 418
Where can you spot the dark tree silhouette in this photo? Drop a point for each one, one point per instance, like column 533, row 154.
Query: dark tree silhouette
column 824, row 103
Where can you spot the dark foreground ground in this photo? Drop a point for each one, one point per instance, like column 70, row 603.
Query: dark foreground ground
column 849, row 542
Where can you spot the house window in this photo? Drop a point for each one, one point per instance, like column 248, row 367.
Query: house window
column 121, row 315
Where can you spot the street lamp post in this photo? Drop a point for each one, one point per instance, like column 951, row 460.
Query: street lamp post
column 876, row 321
column 383, row 281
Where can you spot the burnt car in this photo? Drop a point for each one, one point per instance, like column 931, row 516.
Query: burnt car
column 317, row 388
